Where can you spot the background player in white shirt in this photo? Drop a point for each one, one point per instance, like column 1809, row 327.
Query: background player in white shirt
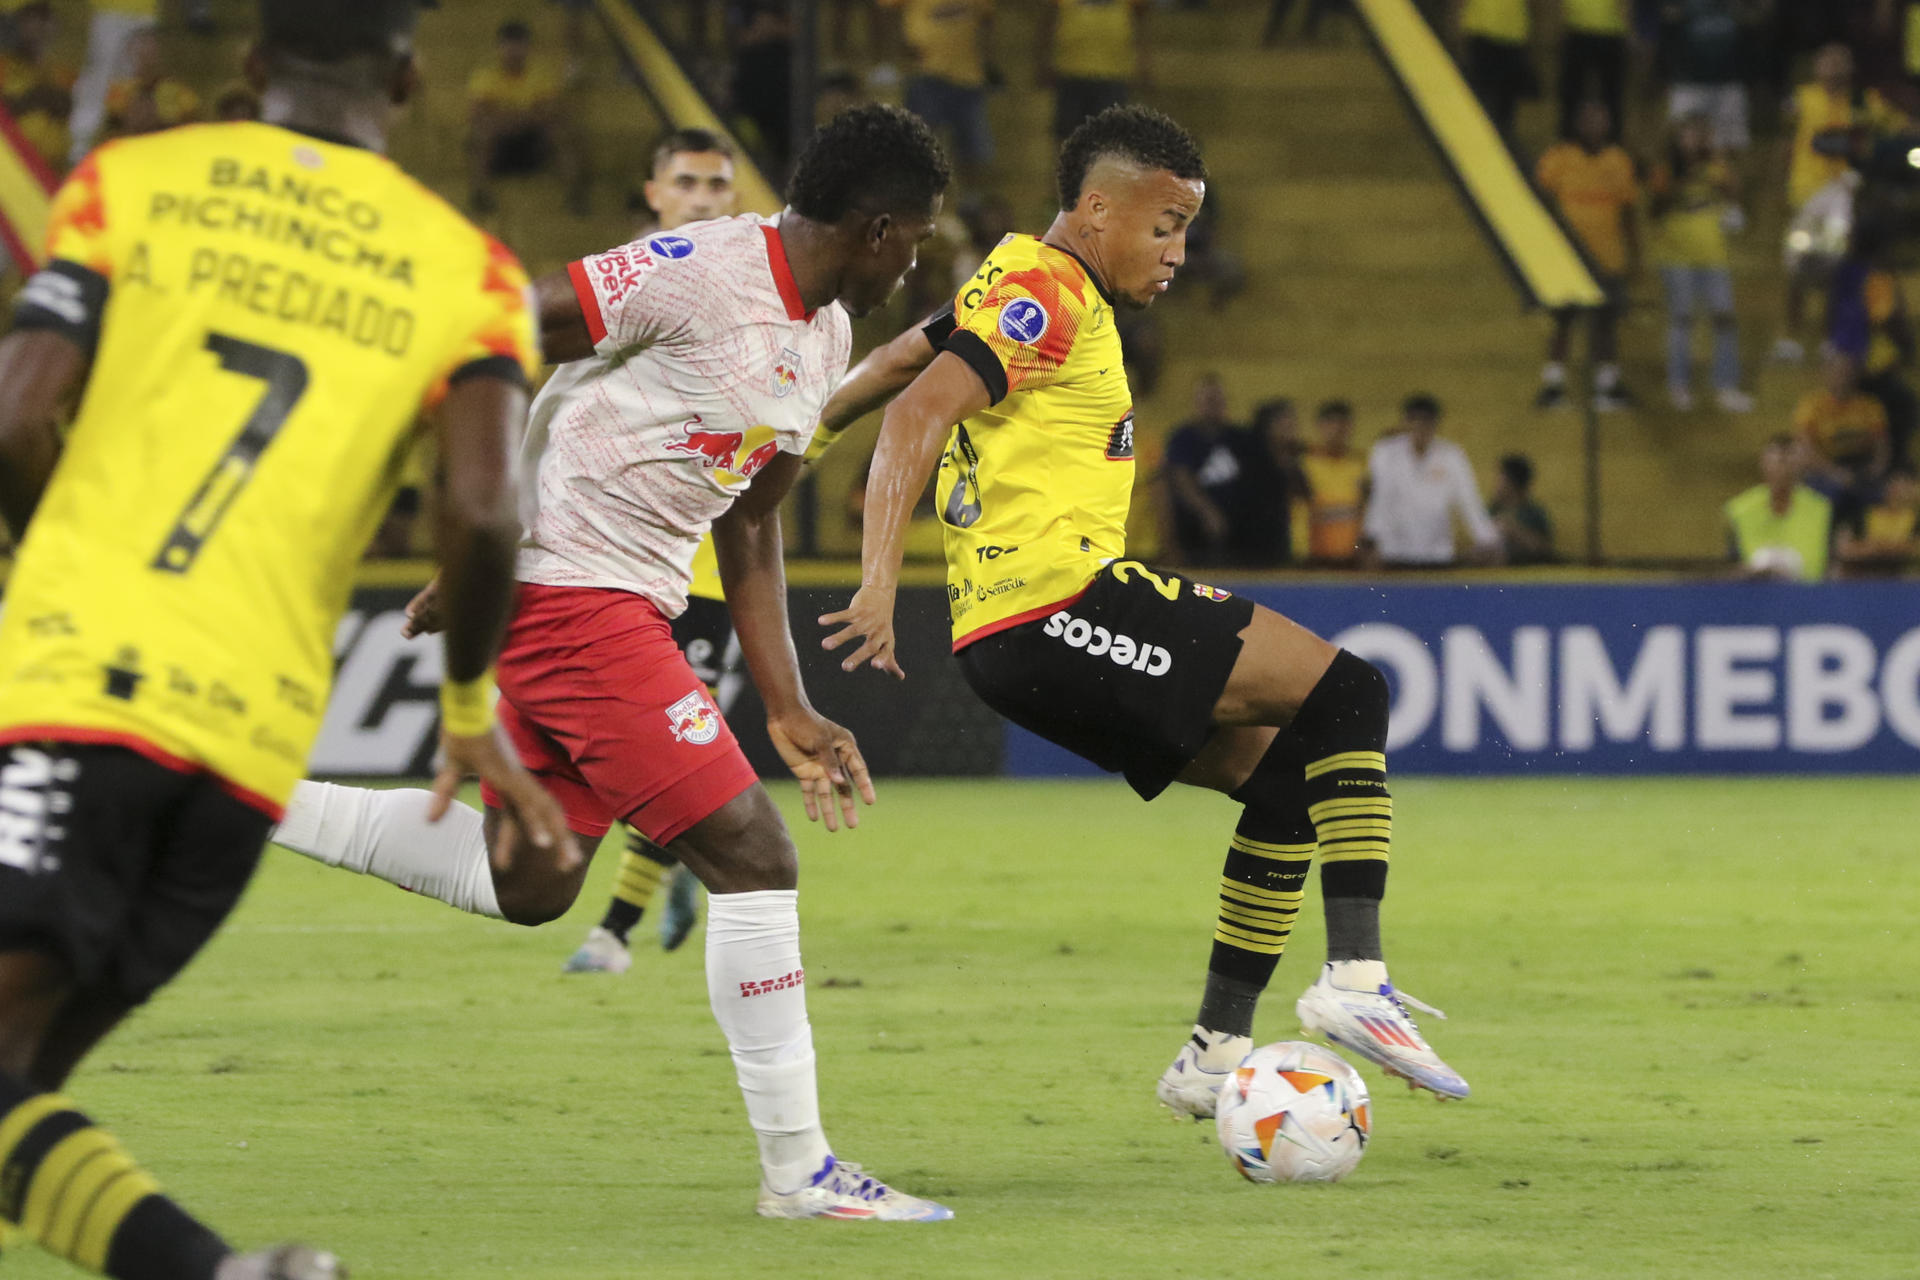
column 1417, row 484
column 699, row 363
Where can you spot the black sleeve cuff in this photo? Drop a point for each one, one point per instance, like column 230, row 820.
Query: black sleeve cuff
column 940, row 327
column 67, row 299
column 972, row 348
column 505, row 368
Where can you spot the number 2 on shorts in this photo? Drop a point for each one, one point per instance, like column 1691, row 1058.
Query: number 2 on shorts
column 286, row 377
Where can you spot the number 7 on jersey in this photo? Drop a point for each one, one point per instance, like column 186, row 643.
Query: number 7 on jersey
column 286, row 377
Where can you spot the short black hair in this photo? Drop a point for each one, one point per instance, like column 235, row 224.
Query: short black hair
column 514, row 29
column 334, row 31
column 690, row 142
column 1518, row 469
column 1422, row 403
column 874, row 158
column 1334, row 409
column 1139, row 134
column 1267, row 410
column 1780, row 440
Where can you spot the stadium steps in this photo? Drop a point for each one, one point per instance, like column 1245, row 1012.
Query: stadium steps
column 1369, row 279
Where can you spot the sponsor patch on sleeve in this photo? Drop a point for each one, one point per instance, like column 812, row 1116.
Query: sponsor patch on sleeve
column 1023, row 321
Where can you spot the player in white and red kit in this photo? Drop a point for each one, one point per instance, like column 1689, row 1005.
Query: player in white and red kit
column 695, row 367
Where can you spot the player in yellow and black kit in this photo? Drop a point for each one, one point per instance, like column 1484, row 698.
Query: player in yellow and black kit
column 1145, row 673
column 258, row 313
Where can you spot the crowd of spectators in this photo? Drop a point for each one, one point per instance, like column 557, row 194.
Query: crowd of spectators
column 124, row 85
column 1680, row 123
column 1260, row 496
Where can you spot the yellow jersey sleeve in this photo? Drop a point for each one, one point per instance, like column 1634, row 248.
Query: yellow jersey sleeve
column 503, row 342
column 69, row 294
column 1021, row 332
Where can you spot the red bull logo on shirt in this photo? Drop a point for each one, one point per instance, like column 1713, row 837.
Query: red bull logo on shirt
column 737, row 455
column 694, row 719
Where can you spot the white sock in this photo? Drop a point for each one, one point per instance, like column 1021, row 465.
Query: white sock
column 386, row 834
column 1606, row 377
column 1357, row 975
column 759, row 996
column 1553, row 374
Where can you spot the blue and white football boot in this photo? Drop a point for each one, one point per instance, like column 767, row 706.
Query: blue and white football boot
column 845, row 1191
column 1353, row 1005
column 1191, row 1086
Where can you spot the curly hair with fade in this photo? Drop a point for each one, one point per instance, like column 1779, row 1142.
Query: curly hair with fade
column 876, row 159
column 1138, row 134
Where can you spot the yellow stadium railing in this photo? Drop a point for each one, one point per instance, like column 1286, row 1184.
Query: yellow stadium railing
column 679, row 101
column 1544, row 261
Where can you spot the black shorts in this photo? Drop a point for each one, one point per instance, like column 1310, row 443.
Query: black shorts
column 119, row 867
column 1126, row 676
column 704, row 632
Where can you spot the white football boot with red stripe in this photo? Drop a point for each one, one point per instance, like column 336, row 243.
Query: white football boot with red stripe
column 846, row 1191
column 1354, row 1006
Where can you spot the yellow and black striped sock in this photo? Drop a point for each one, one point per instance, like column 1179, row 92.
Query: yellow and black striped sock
column 642, row 867
column 1342, row 730
column 1261, row 888
column 71, row 1189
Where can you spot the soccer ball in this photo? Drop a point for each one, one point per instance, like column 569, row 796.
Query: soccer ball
column 1294, row 1112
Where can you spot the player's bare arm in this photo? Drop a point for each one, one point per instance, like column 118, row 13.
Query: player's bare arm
column 38, row 368
column 477, row 532
column 822, row 755
column 911, row 437
column 564, row 335
column 882, row 374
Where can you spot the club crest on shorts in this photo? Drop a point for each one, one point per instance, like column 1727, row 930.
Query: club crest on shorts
column 1206, row 592
column 1024, row 320
column 694, row 719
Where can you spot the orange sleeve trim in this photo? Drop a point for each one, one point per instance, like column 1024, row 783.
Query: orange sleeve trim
column 589, row 301
column 141, row 747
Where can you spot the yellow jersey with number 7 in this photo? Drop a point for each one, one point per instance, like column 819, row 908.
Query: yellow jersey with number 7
column 268, row 314
column 1034, row 490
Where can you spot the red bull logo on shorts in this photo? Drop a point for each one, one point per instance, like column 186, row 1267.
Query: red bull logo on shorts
column 694, row 719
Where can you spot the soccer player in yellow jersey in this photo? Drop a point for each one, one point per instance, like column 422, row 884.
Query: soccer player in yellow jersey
column 1026, row 408
column 254, row 316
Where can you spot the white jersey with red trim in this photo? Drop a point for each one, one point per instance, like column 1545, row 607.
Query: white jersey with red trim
column 706, row 367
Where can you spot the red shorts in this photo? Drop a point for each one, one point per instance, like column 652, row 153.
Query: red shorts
column 605, row 711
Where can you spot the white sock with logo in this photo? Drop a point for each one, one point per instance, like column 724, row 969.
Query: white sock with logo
column 386, row 834
column 759, row 996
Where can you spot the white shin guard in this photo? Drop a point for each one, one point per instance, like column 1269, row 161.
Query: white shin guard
column 759, row 996
column 386, row 834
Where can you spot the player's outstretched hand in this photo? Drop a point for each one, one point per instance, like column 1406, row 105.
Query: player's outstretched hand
column 423, row 612
column 526, row 808
column 870, row 618
column 828, row 763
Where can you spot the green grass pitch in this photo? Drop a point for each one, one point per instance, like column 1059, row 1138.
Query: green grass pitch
column 1688, row 1010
